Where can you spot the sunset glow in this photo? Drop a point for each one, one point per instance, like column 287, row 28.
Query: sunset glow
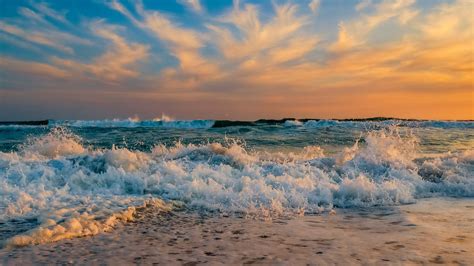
column 237, row 60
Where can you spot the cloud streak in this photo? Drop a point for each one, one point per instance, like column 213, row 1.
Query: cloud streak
column 117, row 63
column 194, row 5
column 314, row 5
column 277, row 57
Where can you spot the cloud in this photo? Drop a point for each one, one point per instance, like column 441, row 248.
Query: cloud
column 344, row 40
column 118, row 62
column 194, row 5
column 165, row 30
column 255, row 37
column 44, row 9
column 12, row 65
column 34, row 37
column 17, row 42
column 358, row 29
column 363, row 4
column 449, row 21
column 33, row 27
column 32, row 15
column 184, row 44
column 314, row 5
column 407, row 15
column 160, row 26
column 255, row 53
column 252, row 61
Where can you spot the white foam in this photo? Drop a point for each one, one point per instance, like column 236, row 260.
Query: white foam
column 163, row 122
column 292, row 123
column 59, row 142
column 79, row 224
column 72, row 190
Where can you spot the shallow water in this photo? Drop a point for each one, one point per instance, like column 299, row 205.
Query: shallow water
column 75, row 178
column 432, row 231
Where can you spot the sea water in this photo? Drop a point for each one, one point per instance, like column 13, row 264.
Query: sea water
column 77, row 178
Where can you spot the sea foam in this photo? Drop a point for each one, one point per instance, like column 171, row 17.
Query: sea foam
column 71, row 190
column 165, row 122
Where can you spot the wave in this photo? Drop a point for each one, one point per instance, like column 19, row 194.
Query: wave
column 109, row 123
column 441, row 124
column 387, row 123
column 167, row 122
column 325, row 123
column 292, row 123
column 72, row 190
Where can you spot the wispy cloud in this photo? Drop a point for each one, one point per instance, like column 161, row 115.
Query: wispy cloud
column 194, row 5
column 184, row 44
column 277, row 56
column 44, row 9
column 31, row 68
column 34, row 27
column 17, row 42
column 118, row 62
column 254, row 36
column 314, row 5
column 34, row 37
column 357, row 30
column 363, row 4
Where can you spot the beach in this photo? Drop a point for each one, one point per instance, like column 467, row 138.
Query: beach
column 432, row 231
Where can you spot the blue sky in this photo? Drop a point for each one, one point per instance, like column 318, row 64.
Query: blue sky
column 236, row 59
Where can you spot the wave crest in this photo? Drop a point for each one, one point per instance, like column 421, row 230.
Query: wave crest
column 163, row 122
column 58, row 142
column 54, row 178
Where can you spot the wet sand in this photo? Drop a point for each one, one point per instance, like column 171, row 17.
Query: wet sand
column 432, row 231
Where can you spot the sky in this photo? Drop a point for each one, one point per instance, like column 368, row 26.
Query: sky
column 224, row 59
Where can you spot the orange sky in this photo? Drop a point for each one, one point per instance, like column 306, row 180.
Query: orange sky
column 389, row 58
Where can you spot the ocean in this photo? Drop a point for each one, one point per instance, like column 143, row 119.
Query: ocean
column 65, row 179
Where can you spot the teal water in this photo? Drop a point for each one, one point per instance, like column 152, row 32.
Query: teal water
column 69, row 177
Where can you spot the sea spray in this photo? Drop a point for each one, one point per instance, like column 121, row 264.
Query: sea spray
column 164, row 122
column 72, row 189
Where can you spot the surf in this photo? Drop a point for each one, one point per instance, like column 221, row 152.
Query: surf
column 72, row 189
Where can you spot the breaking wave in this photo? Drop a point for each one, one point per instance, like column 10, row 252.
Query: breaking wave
column 164, row 122
column 60, row 188
column 167, row 122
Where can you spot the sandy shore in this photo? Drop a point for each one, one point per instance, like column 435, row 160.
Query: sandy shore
column 434, row 231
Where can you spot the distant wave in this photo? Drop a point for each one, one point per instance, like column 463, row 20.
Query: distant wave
column 324, row 123
column 441, row 124
column 166, row 122
column 292, row 123
column 135, row 123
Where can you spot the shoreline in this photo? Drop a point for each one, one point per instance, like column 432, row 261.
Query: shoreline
column 431, row 231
